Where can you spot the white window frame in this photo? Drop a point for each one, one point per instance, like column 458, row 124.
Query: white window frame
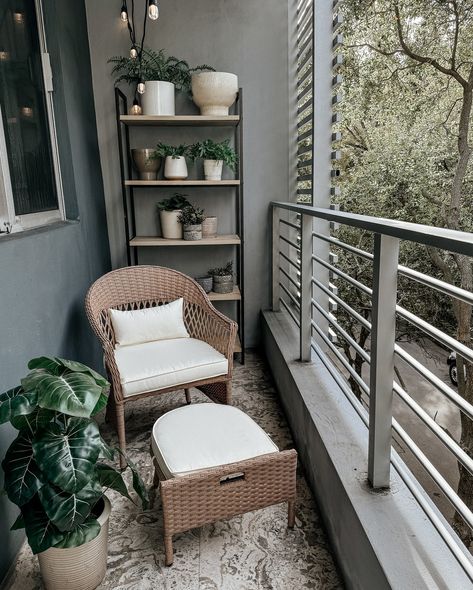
column 9, row 221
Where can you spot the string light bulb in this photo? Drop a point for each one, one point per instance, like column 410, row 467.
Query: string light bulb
column 133, row 53
column 153, row 10
column 124, row 13
column 135, row 109
column 141, row 87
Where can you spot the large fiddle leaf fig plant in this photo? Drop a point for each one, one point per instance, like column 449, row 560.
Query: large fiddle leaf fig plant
column 58, row 467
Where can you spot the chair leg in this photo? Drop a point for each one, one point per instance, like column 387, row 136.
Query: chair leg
column 188, row 395
column 120, row 418
column 168, row 549
column 291, row 514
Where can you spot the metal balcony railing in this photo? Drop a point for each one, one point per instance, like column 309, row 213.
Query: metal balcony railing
column 296, row 275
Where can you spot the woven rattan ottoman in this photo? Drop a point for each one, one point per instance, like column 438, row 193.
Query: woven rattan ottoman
column 213, row 462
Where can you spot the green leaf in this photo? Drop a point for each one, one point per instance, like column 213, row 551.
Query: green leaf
column 101, row 404
column 75, row 394
column 19, row 523
column 32, row 422
column 77, row 367
column 49, row 364
column 109, row 477
column 41, row 532
column 16, row 402
column 138, row 483
column 107, row 451
column 68, row 455
column 68, row 510
column 22, row 474
column 83, row 533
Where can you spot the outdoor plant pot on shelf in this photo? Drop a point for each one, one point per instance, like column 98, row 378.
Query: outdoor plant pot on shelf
column 223, row 281
column 175, row 168
column 193, row 232
column 146, row 165
column 213, row 169
column 58, row 468
column 205, row 282
column 191, row 218
column 169, row 212
column 214, row 92
column 215, row 155
column 158, row 98
column 209, row 227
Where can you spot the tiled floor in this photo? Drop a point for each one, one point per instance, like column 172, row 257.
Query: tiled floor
column 251, row 552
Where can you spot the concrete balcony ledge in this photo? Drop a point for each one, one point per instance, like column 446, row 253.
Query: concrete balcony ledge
column 382, row 540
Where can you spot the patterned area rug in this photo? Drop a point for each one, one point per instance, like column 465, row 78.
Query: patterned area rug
column 255, row 551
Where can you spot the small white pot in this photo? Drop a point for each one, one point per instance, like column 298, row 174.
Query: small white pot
column 213, row 169
column 175, row 168
column 78, row 568
column 214, row 92
column 209, row 227
column 158, row 98
column 171, row 229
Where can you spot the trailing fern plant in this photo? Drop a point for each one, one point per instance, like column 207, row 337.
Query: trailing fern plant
column 155, row 65
column 175, row 151
column 56, row 469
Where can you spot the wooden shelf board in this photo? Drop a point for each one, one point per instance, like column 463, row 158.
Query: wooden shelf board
column 147, row 183
column 180, row 120
column 227, row 239
column 234, row 296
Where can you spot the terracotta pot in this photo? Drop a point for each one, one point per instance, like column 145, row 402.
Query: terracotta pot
column 205, row 282
column 209, row 227
column 223, row 284
column 158, row 98
column 147, row 167
column 171, row 229
column 175, row 168
column 193, row 232
column 213, row 169
column 214, row 92
column 78, row 568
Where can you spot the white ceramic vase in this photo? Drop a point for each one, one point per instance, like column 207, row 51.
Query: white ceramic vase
column 171, row 229
column 214, row 92
column 78, row 568
column 213, row 169
column 175, row 168
column 158, row 98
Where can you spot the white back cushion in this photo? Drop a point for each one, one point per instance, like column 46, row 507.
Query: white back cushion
column 164, row 322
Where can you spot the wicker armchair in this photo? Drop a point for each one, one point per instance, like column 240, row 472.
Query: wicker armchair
column 139, row 287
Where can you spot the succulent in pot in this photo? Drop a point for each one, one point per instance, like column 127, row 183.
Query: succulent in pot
column 223, row 281
column 156, row 76
column 215, row 155
column 169, row 211
column 58, row 468
column 175, row 166
column 191, row 218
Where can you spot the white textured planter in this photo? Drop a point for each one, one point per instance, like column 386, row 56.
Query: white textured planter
column 209, row 227
column 171, row 229
column 158, row 98
column 175, row 168
column 213, row 169
column 78, row 568
column 214, row 92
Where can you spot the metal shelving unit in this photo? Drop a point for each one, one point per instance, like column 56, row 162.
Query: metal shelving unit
column 134, row 241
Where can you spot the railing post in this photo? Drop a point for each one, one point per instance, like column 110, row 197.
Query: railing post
column 383, row 333
column 306, row 288
column 275, row 274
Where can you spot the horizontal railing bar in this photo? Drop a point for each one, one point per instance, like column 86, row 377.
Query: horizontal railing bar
column 304, row 163
column 305, row 149
column 439, row 432
column 305, row 76
column 302, row 29
column 344, row 275
column 306, row 90
column 284, row 239
column 308, row 104
column 289, row 311
column 344, row 245
column 290, row 295
column 288, row 276
column 305, row 136
column 446, row 239
column 304, row 46
column 304, row 191
column 452, row 395
column 290, row 224
column 304, row 11
column 341, row 358
column 305, row 120
column 437, row 284
column 304, row 177
column 289, row 260
column 344, row 333
column 343, row 304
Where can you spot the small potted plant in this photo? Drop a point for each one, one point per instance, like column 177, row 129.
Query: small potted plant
column 223, row 278
column 156, row 76
column 215, row 155
column 205, row 282
column 191, row 218
column 58, row 468
column 214, row 92
column 169, row 211
column 175, row 166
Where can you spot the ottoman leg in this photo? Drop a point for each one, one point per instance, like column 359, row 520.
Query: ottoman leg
column 168, row 549
column 188, row 395
column 291, row 514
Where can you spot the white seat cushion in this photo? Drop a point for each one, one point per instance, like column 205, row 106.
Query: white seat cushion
column 201, row 436
column 151, row 366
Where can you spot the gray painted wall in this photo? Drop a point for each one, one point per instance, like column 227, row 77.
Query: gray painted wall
column 46, row 273
column 249, row 38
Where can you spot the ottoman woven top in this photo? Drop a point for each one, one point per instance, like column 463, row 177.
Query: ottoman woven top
column 200, row 436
